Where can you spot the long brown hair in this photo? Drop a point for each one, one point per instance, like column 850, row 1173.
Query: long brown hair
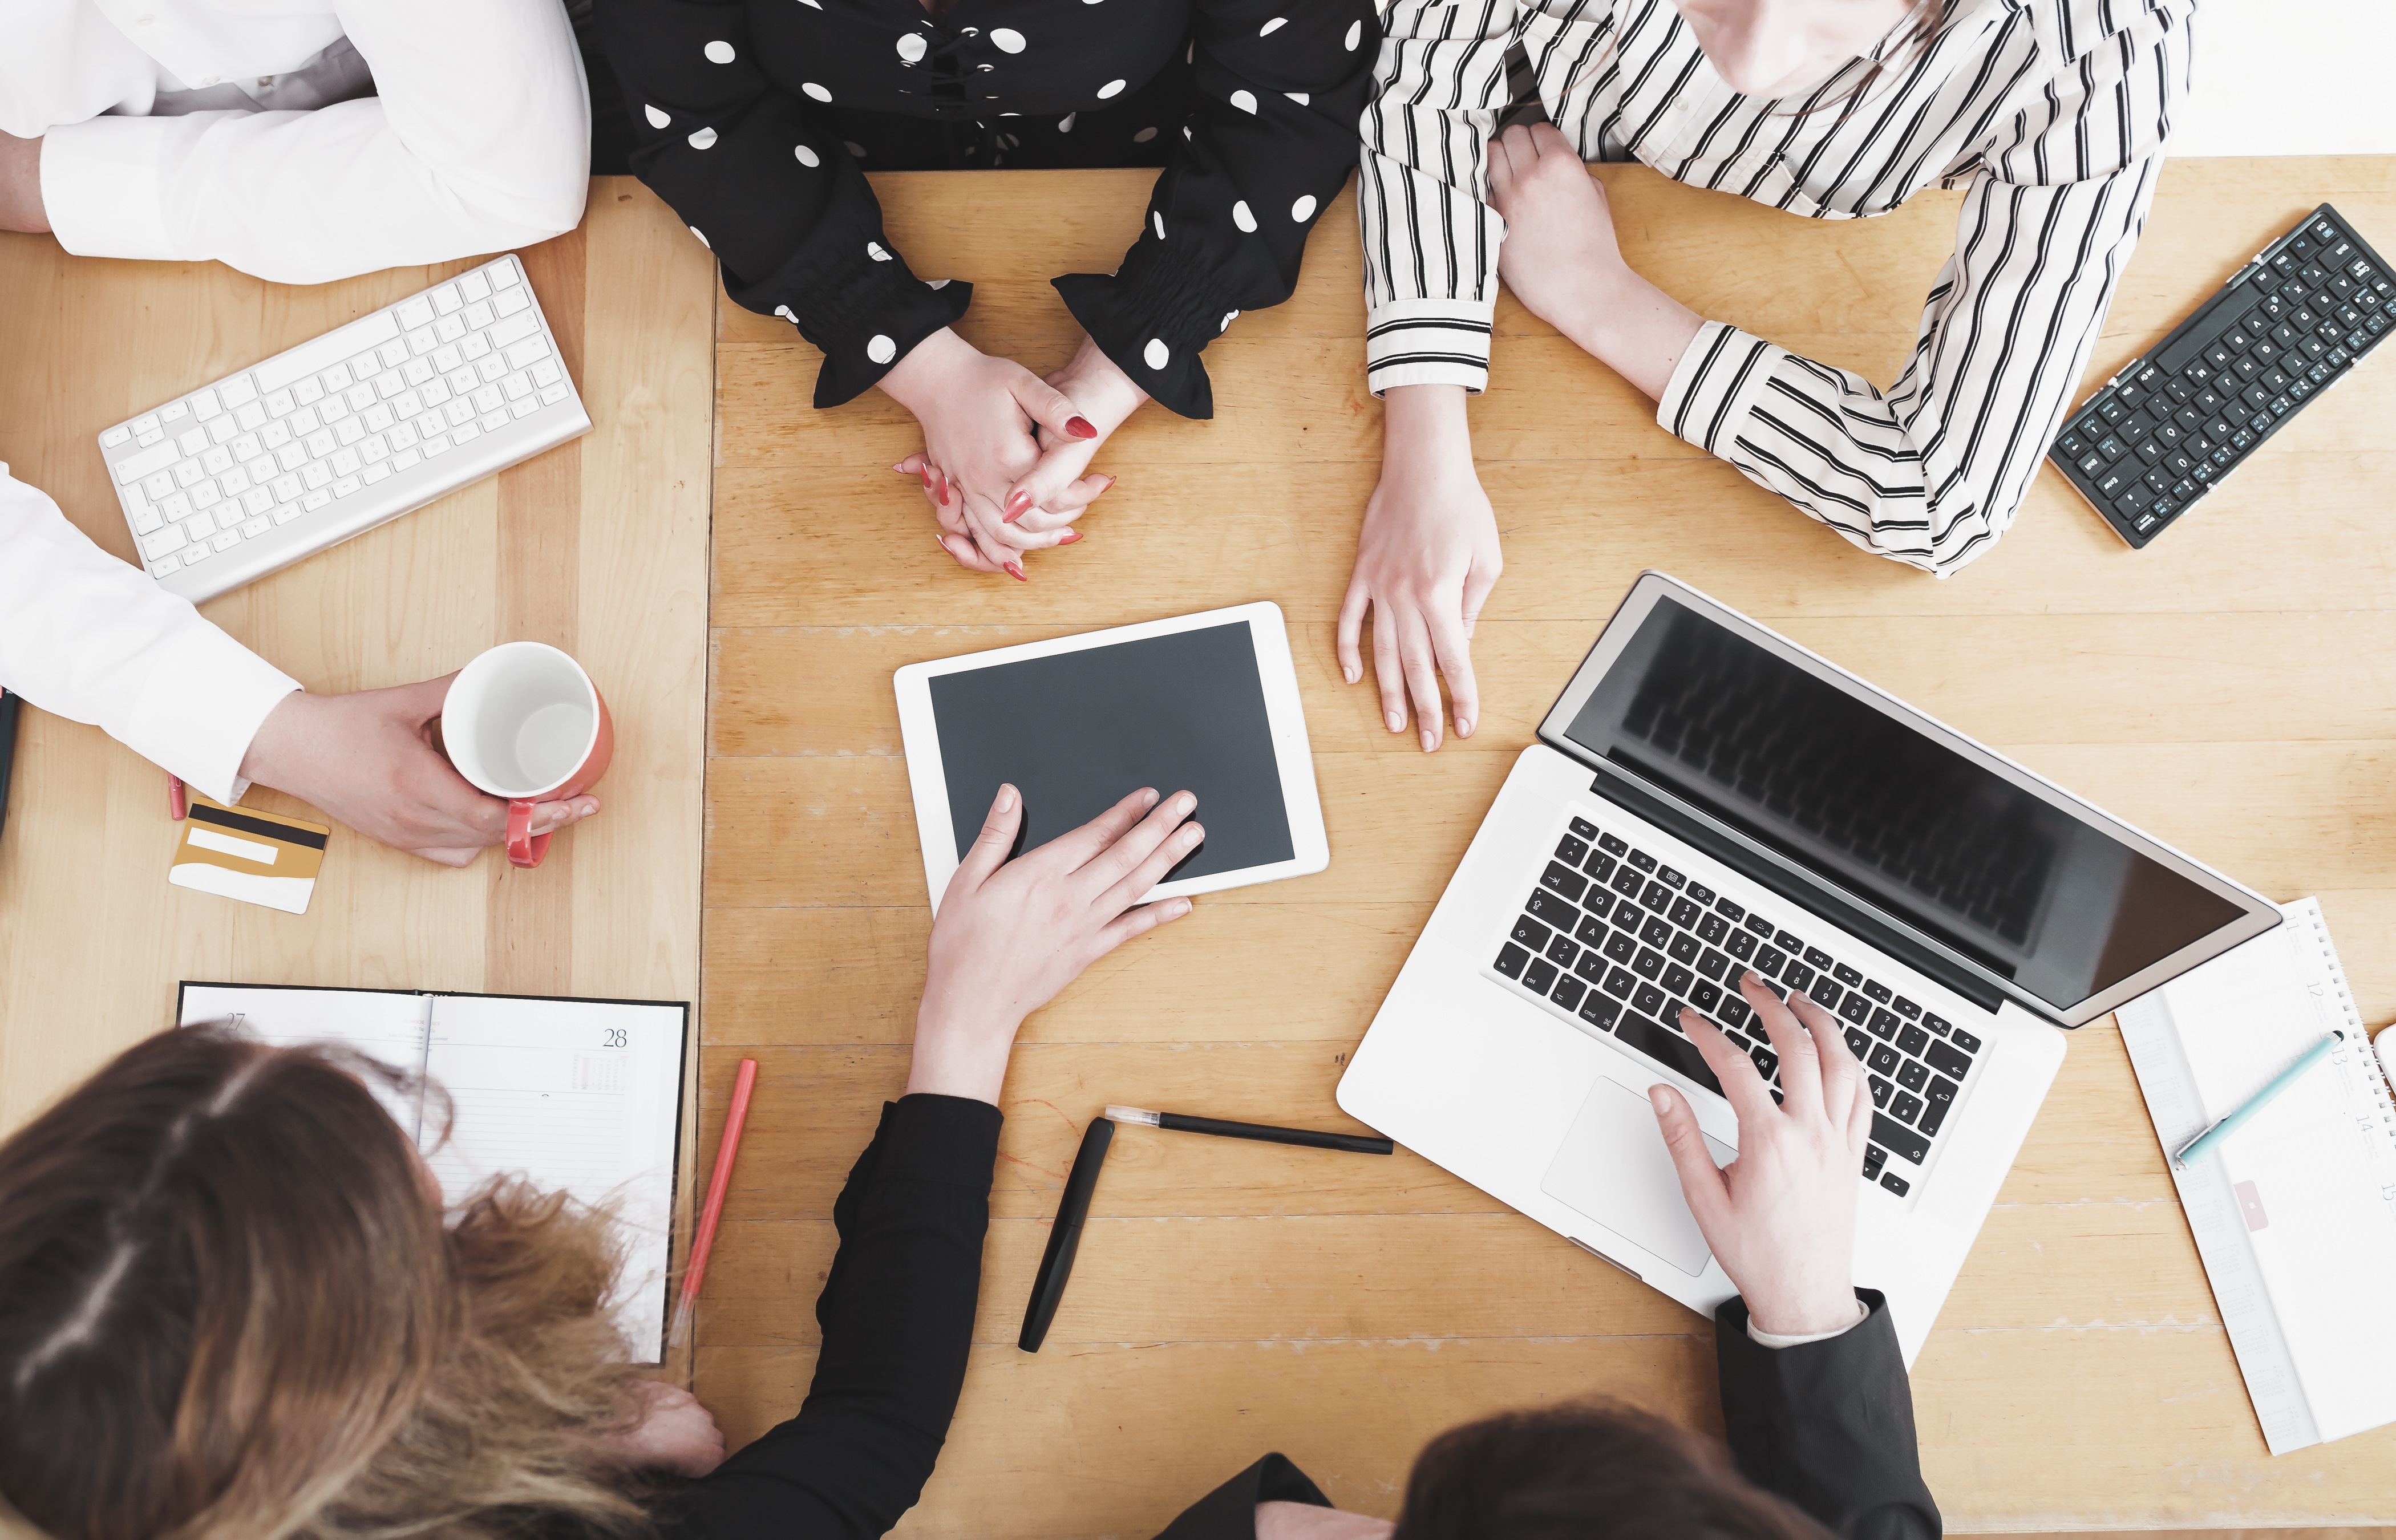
column 231, row 1309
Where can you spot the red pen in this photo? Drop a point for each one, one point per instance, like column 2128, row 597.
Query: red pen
column 704, row 1241
column 177, row 802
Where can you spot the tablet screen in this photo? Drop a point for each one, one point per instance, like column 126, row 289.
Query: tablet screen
column 1078, row 732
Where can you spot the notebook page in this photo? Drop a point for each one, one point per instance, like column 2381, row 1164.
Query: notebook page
column 386, row 1025
column 585, row 1095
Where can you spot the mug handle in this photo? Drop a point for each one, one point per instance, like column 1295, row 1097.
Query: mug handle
column 525, row 847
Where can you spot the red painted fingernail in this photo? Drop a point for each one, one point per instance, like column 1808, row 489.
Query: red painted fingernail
column 1070, row 535
column 1017, row 506
column 924, row 471
column 1016, row 572
column 1104, row 490
column 1081, row 428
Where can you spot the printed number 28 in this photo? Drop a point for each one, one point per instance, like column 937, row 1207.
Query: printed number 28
column 617, row 1037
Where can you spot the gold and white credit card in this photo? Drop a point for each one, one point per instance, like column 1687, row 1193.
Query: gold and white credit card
column 241, row 853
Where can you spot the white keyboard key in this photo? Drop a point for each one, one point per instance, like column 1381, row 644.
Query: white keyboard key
column 320, row 443
column 437, row 444
column 288, row 513
column 512, row 301
column 146, row 440
column 116, row 436
column 199, row 527
column 523, row 353
column 245, row 447
column 489, row 369
column 193, row 441
column 515, row 329
column 252, row 528
column 317, row 475
column 422, row 341
column 546, row 372
column 406, row 459
column 174, row 411
column 376, row 472
column 204, row 405
column 434, row 394
column 132, row 468
column 204, row 494
column 148, row 520
column 445, row 360
column 333, row 408
column 258, row 499
column 260, row 470
column 379, row 418
column 480, row 314
column 360, row 397
column 390, row 385
column 445, row 299
column 494, row 422
column 555, row 395
column 517, row 386
column 366, row 365
column 174, row 506
column 223, row 431
column 449, row 328
column 417, row 370
column 187, row 472
column 232, row 484
column 465, row 433
column 460, row 410
column 475, row 347
column 345, row 463
column 428, row 424
column 237, row 391
column 402, row 437
column 251, row 417
column 503, row 274
column 194, row 556
column 147, row 423
column 285, row 488
column 346, row 486
column 315, row 500
column 280, row 403
column 217, row 460
column 167, row 568
column 473, row 285
column 523, row 409
column 405, row 405
column 291, row 457
column 226, row 541
column 309, row 391
column 307, row 419
column 334, row 378
column 415, row 312
column 391, row 354
column 351, row 430
column 488, row 399
column 169, row 538
column 374, row 449
column 158, row 484
column 462, row 380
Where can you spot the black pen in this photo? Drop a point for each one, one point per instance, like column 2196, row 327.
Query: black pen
column 1355, row 1144
column 1065, row 1236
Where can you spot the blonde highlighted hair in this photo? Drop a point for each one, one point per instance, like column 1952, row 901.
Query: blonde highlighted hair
column 231, row 1309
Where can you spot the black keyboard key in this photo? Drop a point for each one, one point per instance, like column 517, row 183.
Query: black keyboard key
column 1612, row 845
column 1789, row 944
column 1540, row 976
column 1796, row 975
column 1592, row 931
column 1874, row 1158
column 1941, row 1093
column 1655, row 932
column 1939, row 1025
column 1600, row 1012
column 1824, row 991
column 1907, row 1008
column 2216, row 354
column 1964, row 1040
column 1712, row 928
column 1568, row 993
column 1628, row 881
column 1900, row 1140
column 1735, row 1012
column 1669, row 878
column 1847, row 976
column 1551, row 910
column 2113, row 412
column 1729, row 910
column 1855, row 1008
column 1913, row 1039
column 1885, row 1059
column 1563, row 950
column 1673, row 1009
column 1881, row 1089
column 1817, row 957
column 1858, row 1043
column 1740, row 943
column 1668, row 1048
column 1702, row 893
column 1712, row 964
column 1677, row 980
column 1705, row 996
column 1685, row 913
column 1562, row 879
column 1600, row 867
column 1641, row 860
column 1620, row 982
column 1769, row 961
column 1648, row 963
column 1683, row 948
column 1622, row 946
column 1531, row 934
column 1947, row 1061
column 1597, row 901
column 1911, row 1075
column 1572, row 851
column 1905, row 1106
column 1592, row 966
column 1766, row 1061
column 1657, row 897
column 1934, row 1117
column 1585, row 828
column 1895, row 1183
column 1759, row 925
column 1511, row 959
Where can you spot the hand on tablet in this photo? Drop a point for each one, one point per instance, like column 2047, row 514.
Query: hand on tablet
column 1011, row 933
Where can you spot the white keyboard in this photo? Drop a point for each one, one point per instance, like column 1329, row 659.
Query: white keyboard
column 369, row 421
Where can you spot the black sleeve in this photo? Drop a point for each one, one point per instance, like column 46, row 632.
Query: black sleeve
column 779, row 202
column 897, row 1315
column 1828, row 1425
column 1229, row 1511
column 1282, row 87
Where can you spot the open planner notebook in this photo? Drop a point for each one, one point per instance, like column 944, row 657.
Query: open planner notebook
column 2295, row 1214
column 583, row 1094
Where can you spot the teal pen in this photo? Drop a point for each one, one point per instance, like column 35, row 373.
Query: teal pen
column 2197, row 1147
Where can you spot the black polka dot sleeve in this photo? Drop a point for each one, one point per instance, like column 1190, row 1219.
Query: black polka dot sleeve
column 776, row 197
column 1280, row 85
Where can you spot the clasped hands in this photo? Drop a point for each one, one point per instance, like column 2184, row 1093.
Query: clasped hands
column 1006, row 454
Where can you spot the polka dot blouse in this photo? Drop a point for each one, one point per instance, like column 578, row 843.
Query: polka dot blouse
column 758, row 119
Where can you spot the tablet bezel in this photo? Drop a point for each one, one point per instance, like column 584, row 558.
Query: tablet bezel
column 1284, row 715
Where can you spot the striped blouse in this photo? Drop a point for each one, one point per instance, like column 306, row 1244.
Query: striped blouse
column 2051, row 112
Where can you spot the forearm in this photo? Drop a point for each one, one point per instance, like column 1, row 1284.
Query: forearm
column 1632, row 327
column 21, row 186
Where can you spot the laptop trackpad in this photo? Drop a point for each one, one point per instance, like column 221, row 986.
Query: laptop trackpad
column 1614, row 1168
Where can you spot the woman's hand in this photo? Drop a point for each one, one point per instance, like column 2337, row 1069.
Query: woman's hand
column 1055, row 492
column 1781, row 1218
column 978, row 415
column 673, row 1433
column 1426, row 559
column 1011, row 933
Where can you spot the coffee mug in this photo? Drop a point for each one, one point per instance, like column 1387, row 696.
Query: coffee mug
column 525, row 722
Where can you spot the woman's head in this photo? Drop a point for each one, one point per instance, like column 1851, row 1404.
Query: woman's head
column 229, row 1306
column 1585, row 1470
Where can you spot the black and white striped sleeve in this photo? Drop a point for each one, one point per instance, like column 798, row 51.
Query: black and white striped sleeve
column 1931, row 471
column 1422, row 194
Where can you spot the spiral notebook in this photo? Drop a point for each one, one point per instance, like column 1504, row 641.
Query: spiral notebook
column 2294, row 1214
column 583, row 1094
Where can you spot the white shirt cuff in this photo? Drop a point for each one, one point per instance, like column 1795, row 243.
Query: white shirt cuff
column 1720, row 377
column 100, row 186
column 1428, row 342
column 1774, row 1339
column 200, row 707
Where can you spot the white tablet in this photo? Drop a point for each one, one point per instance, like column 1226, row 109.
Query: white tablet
column 1206, row 703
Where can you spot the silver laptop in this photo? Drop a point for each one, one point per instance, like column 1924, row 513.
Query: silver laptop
column 1707, row 796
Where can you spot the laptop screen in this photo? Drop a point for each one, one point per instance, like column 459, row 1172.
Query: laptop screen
column 1869, row 805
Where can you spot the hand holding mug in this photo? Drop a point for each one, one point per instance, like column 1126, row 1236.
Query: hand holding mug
column 523, row 722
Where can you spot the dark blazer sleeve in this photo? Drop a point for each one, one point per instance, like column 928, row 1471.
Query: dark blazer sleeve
column 1828, row 1425
column 778, row 200
column 1229, row 1511
column 897, row 1315
column 1282, row 85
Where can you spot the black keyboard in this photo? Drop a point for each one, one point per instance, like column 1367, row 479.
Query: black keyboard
column 1619, row 942
column 2164, row 431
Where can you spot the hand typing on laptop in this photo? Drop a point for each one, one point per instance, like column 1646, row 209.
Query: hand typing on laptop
column 1781, row 1218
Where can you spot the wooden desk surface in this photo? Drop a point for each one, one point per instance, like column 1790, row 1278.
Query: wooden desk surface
column 598, row 547
column 2230, row 689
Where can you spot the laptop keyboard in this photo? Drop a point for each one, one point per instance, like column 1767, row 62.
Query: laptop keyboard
column 1620, row 941
column 2168, row 428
